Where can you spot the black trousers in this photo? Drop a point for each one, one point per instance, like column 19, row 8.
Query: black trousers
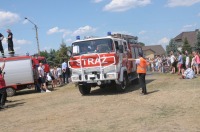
column 10, row 47
column 143, row 82
column 3, row 96
column 1, row 48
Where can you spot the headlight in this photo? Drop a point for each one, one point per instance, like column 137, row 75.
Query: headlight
column 110, row 76
column 75, row 78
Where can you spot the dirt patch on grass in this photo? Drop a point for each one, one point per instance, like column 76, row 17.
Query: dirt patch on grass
column 171, row 105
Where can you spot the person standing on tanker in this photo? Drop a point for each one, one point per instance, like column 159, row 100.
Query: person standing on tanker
column 10, row 42
column 1, row 46
column 141, row 70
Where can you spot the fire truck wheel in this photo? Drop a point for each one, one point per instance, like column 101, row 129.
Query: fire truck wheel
column 10, row 92
column 84, row 89
column 122, row 87
column 136, row 81
column 103, row 86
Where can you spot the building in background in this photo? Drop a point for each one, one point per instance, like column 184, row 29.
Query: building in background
column 151, row 51
column 191, row 36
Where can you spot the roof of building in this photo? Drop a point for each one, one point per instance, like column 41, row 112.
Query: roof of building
column 149, row 49
column 191, row 37
column 158, row 49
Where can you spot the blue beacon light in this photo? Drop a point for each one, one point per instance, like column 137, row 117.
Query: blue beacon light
column 109, row 33
column 77, row 37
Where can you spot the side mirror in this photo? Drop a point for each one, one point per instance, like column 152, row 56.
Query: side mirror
column 69, row 53
column 121, row 48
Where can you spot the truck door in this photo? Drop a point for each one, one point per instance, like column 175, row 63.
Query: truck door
column 127, row 54
column 134, row 51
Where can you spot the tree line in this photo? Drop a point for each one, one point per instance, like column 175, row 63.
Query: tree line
column 56, row 57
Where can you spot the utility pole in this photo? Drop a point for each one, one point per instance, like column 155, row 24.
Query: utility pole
column 36, row 31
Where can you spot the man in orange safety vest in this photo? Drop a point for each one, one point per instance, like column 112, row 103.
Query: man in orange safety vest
column 141, row 70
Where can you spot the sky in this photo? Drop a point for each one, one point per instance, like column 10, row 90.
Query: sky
column 153, row 21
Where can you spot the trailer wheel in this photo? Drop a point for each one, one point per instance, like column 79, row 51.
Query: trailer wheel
column 84, row 89
column 122, row 87
column 10, row 92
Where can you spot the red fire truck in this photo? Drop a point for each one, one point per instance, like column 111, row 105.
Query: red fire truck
column 103, row 61
column 20, row 72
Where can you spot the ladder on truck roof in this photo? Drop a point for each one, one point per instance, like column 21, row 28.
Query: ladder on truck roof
column 129, row 38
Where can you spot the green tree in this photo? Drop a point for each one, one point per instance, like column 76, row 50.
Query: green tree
column 171, row 47
column 44, row 54
column 140, row 43
column 186, row 46
column 62, row 52
column 197, row 46
column 51, row 57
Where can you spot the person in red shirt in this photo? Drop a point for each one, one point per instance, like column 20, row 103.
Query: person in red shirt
column 3, row 94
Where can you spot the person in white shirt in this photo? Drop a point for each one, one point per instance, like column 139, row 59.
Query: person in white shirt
column 187, row 61
column 59, row 71
column 173, row 62
column 42, row 80
column 188, row 74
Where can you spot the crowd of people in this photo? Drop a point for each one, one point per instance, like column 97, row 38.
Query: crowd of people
column 54, row 76
column 179, row 64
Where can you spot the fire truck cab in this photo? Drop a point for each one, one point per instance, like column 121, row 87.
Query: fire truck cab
column 103, row 61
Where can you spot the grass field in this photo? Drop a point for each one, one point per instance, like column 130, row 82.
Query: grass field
column 172, row 105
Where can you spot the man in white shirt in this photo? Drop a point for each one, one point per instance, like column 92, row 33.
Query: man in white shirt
column 42, row 81
column 59, row 71
column 64, row 72
column 173, row 62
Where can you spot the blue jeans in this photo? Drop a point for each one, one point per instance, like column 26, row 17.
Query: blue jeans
column 65, row 77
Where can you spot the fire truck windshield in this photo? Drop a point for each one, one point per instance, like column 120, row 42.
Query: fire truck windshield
column 94, row 46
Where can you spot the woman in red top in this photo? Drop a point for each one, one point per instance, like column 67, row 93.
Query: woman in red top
column 3, row 94
column 197, row 60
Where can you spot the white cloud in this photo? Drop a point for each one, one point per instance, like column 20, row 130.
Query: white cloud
column 174, row 3
column 21, row 42
column 58, row 30
column 122, row 32
column 142, row 32
column 83, row 30
column 188, row 27
column 97, row 1
column 123, row 5
column 25, row 21
column 8, row 18
column 17, row 41
column 53, row 30
column 69, row 40
column 163, row 41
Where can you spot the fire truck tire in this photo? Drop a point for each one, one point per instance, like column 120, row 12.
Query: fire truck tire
column 10, row 92
column 84, row 89
column 135, row 81
column 122, row 87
